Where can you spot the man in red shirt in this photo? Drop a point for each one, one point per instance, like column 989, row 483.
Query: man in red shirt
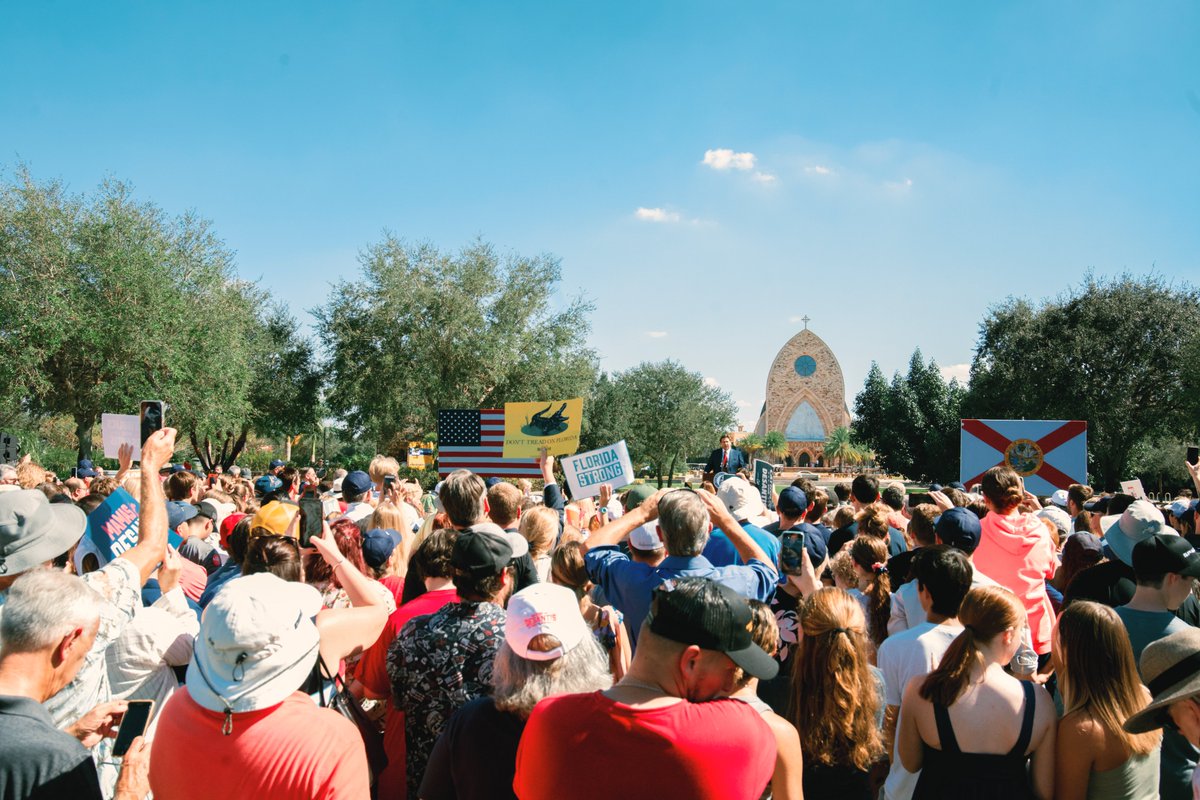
column 432, row 557
column 661, row 732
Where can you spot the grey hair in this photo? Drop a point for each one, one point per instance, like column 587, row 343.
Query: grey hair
column 7, row 472
column 42, row 607
column 683, row 518
column 518, row 684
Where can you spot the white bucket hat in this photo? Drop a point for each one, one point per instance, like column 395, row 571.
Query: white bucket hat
column 257, row 644
column 743, row 500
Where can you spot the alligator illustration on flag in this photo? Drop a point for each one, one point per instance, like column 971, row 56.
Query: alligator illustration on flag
column 1048, row 454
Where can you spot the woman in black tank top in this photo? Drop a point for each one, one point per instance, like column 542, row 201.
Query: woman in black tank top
column 988, row 704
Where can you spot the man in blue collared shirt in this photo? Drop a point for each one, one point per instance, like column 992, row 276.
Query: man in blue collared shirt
column 685, row 518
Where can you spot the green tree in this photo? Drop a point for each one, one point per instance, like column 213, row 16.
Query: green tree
column 1111, row 352
column 840, row 447
column 109, row 301
column 664, row 412
column 774, row 445
column 752, row 445
column 283, row 393
column 422, row 330
column 870, row 407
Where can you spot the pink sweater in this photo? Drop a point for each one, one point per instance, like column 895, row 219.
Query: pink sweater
column 1016, row 552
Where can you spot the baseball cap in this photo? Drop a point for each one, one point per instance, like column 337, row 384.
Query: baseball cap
column 645, row 537
column 179, row 512
column 1059, row 518
column 742, row 499
column 1138, row 522
column 481, row 553
column 85, row 469
column 378, row 544
column 1180, row 507
column 637, row 495
column 216, row 511
column 710, row 615
column 265, row 484
column 276, row 518
column 257, row 644
column 33, row 530
column 1059, row 498
column 959, row 527
column 518, row 543
column 227, row 525
column 357, row 483
column 544, row 608
column 276, row 463
column 1165, row 553
column 792, row 501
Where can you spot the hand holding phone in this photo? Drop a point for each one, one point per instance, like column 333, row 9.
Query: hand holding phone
column 311, row 519
column 152, row 413
column 133, row 724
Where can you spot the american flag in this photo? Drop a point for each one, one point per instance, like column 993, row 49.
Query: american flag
column 474, row 439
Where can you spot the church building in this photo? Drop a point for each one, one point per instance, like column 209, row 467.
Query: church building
column 806, row 397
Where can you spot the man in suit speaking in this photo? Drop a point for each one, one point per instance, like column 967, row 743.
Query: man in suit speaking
column 725, row 458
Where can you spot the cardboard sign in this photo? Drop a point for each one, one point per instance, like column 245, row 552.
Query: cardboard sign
column 10, row 448
column 113, row 525
column 587, row 471
column 1134, row 489
column 531, row 427
column 720, row 478
column 119, row 429
column 764, row 479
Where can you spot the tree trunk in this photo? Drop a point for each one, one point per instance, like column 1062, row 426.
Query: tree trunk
column 671, row 472
column 287, row 447
column 84, row 423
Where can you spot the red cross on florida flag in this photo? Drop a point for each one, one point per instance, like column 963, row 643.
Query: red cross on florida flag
column 1049, row 454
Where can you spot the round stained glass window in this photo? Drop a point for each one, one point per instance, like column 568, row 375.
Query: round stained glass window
column 805, row 366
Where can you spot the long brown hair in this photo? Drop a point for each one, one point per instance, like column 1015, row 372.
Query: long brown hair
column 1002, row 486
column 871, row 554
column 986, row 612
column 1096, row 672
column 834, row 698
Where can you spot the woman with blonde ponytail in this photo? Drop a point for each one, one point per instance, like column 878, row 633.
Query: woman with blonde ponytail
column 870, row 555
column 969, row 727
column 837, row 698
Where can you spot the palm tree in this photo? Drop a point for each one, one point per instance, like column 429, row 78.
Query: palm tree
column 840, row 447
column 751, row 445
column 774, row 445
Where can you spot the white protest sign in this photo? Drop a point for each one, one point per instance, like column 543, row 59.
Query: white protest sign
column 586, row 471
column 1134, row 489
column 119, row 429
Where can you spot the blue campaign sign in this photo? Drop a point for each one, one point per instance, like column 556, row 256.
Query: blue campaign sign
column 113, row 525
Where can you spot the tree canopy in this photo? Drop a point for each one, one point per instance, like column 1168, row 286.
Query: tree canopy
column 912, row 423
column 108, row 301
column 1111, row 352
column 664, row 411
column 423, row 330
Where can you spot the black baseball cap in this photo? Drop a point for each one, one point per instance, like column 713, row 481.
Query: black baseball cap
column 480, row 554
column 711, row 616
column 1166, row 553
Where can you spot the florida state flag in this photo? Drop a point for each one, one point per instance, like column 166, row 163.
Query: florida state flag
column 1048, row 454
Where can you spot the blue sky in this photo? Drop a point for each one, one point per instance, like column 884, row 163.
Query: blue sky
column 890, row 170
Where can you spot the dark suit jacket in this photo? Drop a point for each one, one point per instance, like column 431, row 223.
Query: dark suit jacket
column 736, row 461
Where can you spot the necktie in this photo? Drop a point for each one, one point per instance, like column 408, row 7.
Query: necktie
column 725, row 459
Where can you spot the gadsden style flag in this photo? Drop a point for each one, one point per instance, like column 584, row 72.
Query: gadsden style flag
column 1048, row 454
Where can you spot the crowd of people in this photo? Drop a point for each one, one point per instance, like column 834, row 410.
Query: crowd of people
column 486, row 640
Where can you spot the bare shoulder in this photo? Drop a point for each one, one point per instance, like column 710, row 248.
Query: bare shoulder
column 784, row 731
column 1080, row 727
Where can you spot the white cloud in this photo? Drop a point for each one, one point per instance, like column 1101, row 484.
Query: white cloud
column 962, row 372
column 817, row 169
column 899, row 186
column 656, row 334
column 744, row 404
column 712, row 383
column 656, row 215
column 722, row 159
column 765, row 177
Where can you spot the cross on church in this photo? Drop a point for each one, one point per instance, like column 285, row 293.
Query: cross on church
column 805, row 319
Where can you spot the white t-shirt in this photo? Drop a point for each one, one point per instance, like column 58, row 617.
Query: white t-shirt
column 902, row 657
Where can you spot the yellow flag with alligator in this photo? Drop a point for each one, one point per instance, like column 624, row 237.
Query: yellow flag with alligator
column 551, row 425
